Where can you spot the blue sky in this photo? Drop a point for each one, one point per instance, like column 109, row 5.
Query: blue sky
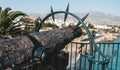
column 76, row 6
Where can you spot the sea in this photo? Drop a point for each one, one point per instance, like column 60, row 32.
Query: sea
column 114, row 63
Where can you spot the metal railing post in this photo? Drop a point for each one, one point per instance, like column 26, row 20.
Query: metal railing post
column 103, row 66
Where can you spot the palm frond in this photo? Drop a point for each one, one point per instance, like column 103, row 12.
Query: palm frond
column 6, row 10
column 16, row 14
column 0, row 10
column 7, row 26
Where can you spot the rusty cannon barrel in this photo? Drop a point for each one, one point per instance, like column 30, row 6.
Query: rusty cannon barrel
column 19, row 49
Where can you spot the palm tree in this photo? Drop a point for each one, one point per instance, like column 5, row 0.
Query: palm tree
column 28, row 23
column 27, row 20
column 8, row 23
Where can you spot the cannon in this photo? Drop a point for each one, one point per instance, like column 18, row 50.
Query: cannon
column 16, row 50
column 40, row 46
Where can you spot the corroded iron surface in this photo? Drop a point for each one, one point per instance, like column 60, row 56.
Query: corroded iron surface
column 16, row 50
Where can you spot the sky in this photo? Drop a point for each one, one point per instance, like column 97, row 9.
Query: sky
column 76, row 6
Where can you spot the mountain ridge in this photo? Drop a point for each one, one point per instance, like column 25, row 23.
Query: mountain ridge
column 93, row 18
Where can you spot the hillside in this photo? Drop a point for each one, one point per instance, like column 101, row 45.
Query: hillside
column 93, row 18
column 102, row 18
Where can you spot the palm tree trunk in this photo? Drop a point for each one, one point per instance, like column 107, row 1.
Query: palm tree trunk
column 19, row 49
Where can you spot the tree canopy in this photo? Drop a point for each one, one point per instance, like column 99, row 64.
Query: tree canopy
column 8, row 23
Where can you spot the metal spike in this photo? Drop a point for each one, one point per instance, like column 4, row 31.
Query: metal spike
column 85, row 17
column 38, row 25
column 79, row 23
column 39, row 19
column 52, row 13
column 66, row 14
column 67, row 9
column 93, row 33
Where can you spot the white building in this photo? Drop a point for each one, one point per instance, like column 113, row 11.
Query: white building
column 102, row 27
column 60, row 23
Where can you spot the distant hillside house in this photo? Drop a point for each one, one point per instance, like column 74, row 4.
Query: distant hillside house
column 102, row 27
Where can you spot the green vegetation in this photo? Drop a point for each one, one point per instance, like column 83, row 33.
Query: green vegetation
column 38, row 23
column 28, row 23
column 9, row 26
column 50, row 25
column 26, row 20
